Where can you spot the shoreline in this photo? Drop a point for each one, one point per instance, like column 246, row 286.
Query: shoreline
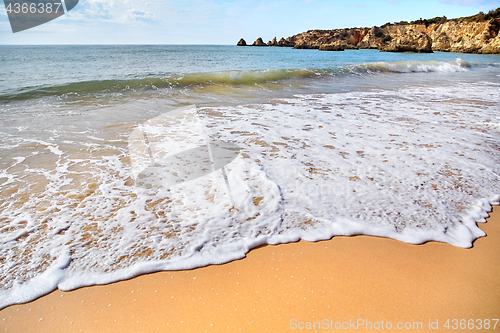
column 277, row 288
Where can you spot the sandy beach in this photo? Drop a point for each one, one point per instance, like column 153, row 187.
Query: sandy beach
column 357, row 283
column 156, row 175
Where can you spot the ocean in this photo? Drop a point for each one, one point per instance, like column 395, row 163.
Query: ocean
column 117, row 161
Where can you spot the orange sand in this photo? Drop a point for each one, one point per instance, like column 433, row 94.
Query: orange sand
column 346, row 278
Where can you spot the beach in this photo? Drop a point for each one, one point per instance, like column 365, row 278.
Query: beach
column 285, row 288
column 219, row 185
column 157, row 176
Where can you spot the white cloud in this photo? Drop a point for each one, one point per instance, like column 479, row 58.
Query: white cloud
column 114, row 11
column 3, row 13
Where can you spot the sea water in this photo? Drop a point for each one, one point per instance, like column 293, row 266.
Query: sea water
column 121, row 160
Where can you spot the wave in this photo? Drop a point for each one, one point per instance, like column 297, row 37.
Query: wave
column 232, row 78
column 415, row 66
column 223, row 78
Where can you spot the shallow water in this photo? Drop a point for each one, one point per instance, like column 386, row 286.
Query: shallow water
column 113, row 166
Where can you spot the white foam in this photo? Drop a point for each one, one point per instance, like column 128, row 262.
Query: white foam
column 414, row 66
column 414, row 164
column 39, row 285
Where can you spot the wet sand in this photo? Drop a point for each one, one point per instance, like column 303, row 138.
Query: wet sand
column 346, row 283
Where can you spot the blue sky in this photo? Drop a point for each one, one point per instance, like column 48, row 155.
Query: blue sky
column 223, row 22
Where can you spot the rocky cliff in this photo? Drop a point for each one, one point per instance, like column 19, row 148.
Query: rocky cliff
column 328, row 39
column 475, row 34
column 469, row 37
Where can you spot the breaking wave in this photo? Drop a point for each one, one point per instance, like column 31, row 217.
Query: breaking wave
column 233, row 78
column 415, row 66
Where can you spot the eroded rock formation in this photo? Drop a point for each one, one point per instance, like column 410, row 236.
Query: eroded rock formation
column 338, row 38
column 259, row 42
column 273, row 42
column 475, row 34
column 285, row 42
column 408, row 40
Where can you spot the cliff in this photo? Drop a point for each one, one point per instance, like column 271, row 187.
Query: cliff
column 475, row 34
column 326, row 39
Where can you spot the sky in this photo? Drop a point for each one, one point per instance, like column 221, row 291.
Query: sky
column 223, row 21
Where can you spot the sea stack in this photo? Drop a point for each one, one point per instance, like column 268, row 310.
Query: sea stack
column 285, row 43
column 273, row 42
column 259, row 42
column 242, row 42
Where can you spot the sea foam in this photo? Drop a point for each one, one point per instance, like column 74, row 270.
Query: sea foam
column 415, row 164
column 413, row 66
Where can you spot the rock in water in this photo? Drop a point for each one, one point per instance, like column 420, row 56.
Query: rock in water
column 242, row 42
column 274, row 42
column 285, row 43
column 259, row 42
column 331, row 47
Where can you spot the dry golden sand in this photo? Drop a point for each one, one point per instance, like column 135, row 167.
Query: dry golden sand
column 346, row 278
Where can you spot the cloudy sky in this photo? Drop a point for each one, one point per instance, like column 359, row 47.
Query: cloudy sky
column 223, row 21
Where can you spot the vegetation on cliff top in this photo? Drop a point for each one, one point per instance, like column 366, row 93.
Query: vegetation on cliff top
column 439, row 20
